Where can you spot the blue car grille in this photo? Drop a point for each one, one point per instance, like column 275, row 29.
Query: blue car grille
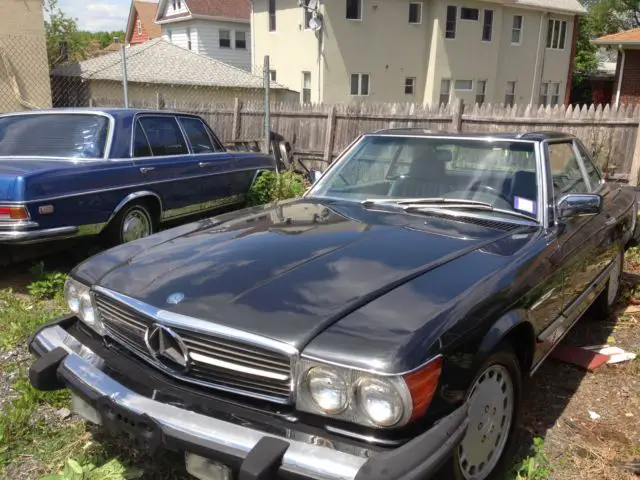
column 128, row 326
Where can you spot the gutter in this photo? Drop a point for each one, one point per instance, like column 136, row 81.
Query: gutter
column 621, row 75
column 539, row 68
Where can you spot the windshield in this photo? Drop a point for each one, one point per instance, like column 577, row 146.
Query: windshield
column 53, row 135
column 502, row 174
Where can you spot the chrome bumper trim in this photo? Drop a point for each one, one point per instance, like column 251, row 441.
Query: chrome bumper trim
column 28, row 236
column 307, row 460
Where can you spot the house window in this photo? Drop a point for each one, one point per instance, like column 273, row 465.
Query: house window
column 307, row 15
column 415, row 13
column 272, row 75
column 481, row 91
column 556, row 34
column 189, row 38
column 241, row 40
column 272, row 15
column 409, row 85
column 139, row 27
column 306, row 87
column 516, row 30
column 359, row 84
column 549, row 93
column 450, row 28
column 510, row 94
column 445, row 91
column 354, row 9
column 487, row 26
column 170, row 35
column 225, row 39
column 469, row 13
column 464, row 85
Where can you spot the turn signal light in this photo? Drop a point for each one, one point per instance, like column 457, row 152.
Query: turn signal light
column 14, row 213
column 422, row 385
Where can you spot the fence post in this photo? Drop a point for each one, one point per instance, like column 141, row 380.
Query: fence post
column 635, row 164
column 158, row 106
column 456, row 116
column 235, row 128
column 125, row 85
column 330, row 136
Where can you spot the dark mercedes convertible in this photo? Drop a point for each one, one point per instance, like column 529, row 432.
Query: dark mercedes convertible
column 380, row 327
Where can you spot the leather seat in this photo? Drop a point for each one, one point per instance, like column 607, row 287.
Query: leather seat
column 426, row 177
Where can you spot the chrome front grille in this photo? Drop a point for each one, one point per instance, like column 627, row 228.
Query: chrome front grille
column 216, row 362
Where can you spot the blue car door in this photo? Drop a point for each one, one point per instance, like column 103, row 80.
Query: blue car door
column 226, row 176
column 166, row 165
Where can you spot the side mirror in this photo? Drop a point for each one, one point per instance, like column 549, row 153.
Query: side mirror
column 314, row 175
column 578, row 205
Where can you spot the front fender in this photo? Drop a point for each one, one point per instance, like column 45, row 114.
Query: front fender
column 515, row 326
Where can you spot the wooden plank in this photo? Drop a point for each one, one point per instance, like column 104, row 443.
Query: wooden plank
column 635, row 163
column 235, row 128
column 330, row 135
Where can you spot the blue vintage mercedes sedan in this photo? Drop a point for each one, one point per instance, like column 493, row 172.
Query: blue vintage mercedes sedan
column 119, row 173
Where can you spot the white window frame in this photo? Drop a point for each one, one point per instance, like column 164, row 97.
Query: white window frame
column 410, row 81
column 189, row 45
column 455, row 20
column 558, row 86
column 361, row 12
column 139, row 26
column 420, row 7
column 481, row 91
column 468, row 19
column 455, row 85
column 520, row 30
column 484, row 20
column 543, row 97
column 220, row 30
column 448, row 93
column 360, row 77
column 303, row 88
column 272, row 75
column 512, row 94
column 550, row 93
column 269, row 16
column 235, row 39
column 554, row 39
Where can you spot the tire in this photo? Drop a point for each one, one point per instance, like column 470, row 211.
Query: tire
column 131, row 223
column 605, row 305
column 495, row 400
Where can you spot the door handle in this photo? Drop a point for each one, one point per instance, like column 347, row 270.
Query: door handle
column 144, row 170
column 204, row 164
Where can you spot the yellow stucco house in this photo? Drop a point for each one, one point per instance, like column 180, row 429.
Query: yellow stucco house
column 431, row 51
column 24, row 70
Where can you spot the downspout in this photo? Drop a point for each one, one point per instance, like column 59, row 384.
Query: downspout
column 253, row 42
column 620, row 77
column 537, row 72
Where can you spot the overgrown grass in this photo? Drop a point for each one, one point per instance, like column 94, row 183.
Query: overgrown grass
column 535, row 467
column 271, row 187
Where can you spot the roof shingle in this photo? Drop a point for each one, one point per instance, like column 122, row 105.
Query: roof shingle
column 147, row 14
column 220, row 8
column 158, row 61
column 627, row 37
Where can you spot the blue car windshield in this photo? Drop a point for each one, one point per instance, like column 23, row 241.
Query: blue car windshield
column 53, row 135
column 499, row 172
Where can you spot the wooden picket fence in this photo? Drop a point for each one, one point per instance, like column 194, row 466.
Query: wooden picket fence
column 320, row 132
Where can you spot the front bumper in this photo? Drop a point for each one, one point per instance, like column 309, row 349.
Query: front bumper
column 65, row 362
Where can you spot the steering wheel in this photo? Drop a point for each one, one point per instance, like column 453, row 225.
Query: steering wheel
column 489, row 189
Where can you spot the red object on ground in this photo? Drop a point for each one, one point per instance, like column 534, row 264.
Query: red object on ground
column 580, row 357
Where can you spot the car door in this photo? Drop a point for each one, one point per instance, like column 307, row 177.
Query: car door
column 577, row 237
column 165, row 163
column 226, row 178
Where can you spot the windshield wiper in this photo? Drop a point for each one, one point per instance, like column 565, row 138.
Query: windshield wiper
column 480, row 206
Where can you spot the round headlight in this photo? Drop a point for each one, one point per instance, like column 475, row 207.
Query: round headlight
column 88, row 314
column 72, row 295
column 380, row 401
column 328, row 390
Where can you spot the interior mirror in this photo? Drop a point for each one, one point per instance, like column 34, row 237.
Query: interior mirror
column 579, row 204
column 314, row 175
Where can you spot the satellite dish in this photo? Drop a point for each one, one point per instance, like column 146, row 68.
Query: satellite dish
column 315, row 22
column 312, row 5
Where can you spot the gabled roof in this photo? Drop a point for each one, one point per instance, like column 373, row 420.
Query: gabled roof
column 158, row 61
column 230, row 10
column 628, row 37
column 146, row 10
column 566, row 6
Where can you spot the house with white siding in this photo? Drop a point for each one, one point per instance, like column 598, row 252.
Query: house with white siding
column 219, row 29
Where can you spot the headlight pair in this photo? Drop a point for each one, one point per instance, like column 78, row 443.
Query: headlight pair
column 359, row 397
column 79, row 301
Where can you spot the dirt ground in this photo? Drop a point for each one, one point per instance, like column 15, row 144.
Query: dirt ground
column 557, row 407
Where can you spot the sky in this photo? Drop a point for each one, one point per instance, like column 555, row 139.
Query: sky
column 95, row 15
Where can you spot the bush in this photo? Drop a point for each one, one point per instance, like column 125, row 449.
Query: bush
column 272, row 187
column 46, row 284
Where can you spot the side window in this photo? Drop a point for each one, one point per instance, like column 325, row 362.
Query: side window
column 565, row 170
column 595, row 177
column 164, row 135
column 197, row 134
column 140, row 144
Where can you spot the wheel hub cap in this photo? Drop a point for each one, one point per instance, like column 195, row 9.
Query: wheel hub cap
column 491, row 405
column 135, row 225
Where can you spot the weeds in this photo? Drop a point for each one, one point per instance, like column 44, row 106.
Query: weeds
column 271, row 187
column 534, row 467
column 46, row 284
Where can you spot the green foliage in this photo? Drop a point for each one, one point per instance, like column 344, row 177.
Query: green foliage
column 112, row 470
column 47, row 284
column 80, row 45
column 534, row 467
column 271, row 187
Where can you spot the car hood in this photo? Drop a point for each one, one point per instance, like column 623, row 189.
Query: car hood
column 287, row 271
